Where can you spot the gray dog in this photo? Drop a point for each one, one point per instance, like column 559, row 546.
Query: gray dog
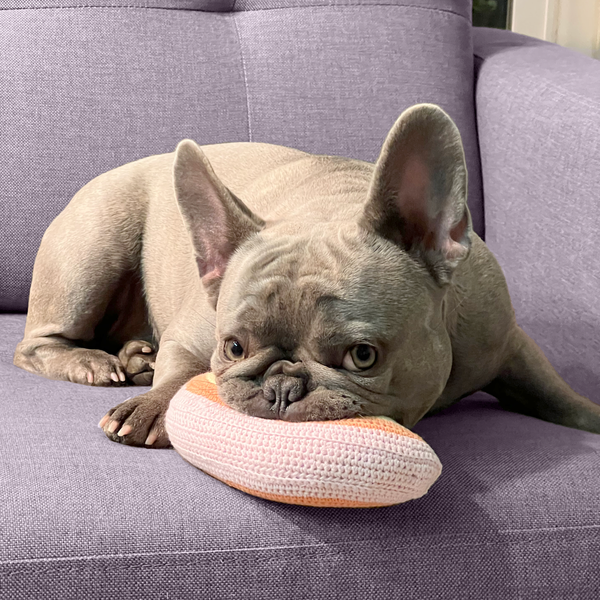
column 315, row 287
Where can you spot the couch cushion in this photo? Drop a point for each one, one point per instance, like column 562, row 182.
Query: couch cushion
column 515, row 513
column 539, row 117
column 90, row 85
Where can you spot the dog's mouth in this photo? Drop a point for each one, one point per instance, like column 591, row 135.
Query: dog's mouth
column 289, row 399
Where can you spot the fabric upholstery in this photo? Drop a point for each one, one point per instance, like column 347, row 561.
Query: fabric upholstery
column 538, row 111
column 87, row 85
column 451, row 6
column 96, row 84
column 514, row 514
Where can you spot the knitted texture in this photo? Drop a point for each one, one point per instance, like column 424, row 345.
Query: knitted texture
column 359, row 462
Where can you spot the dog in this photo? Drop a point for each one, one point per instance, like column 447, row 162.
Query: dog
column 314, row 287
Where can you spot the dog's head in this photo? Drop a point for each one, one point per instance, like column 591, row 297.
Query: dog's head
column 344, row 318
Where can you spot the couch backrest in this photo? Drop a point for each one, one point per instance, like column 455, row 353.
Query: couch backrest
column 88, row 85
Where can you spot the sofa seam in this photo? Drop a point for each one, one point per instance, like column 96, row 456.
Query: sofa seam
column 352, row 545
column 142, row 7
column 244, row 71
column 476, row 73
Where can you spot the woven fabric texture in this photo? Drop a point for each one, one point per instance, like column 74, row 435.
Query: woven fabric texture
column 459, row 7
column 354, row 463
column 515, row 513
column 538, row 109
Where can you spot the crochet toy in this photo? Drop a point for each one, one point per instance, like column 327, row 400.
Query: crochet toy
column 358, row 462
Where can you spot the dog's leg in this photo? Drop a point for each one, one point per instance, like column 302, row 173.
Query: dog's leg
column 140, row 421
column 529, row 384
column 53, row 344
column 84, row 262
column 60, row 330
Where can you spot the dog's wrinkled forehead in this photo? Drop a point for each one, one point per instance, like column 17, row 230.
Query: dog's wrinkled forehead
column 332, row 283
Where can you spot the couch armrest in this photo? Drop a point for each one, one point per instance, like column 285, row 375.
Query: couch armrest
column 538, row 118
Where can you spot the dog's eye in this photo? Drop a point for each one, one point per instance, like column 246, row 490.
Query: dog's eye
column 360, row 358
column 233, row 350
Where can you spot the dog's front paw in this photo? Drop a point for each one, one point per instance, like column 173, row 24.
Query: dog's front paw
column 139, row 421
column 138, row 358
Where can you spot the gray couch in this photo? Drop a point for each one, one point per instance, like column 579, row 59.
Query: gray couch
column 88, row 85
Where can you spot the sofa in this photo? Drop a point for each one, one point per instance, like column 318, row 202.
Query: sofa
column 88, row 85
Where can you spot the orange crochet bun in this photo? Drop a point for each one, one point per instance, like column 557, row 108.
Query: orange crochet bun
column 355, row 463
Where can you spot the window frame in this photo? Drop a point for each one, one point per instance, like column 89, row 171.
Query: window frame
column 571, row 23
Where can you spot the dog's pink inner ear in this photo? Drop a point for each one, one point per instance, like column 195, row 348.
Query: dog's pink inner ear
column 213, row 262
column 211, row 237
column 433, row 232
column 411, row 199
column 414, row 182
column 212, row 282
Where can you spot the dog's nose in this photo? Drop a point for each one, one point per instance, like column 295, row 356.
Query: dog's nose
column 282, row 390
column 287, row 367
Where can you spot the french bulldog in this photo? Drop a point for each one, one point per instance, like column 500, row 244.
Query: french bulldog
column 314, row 287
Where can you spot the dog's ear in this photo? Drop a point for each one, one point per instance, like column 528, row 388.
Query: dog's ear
column 418, row 192
column 217, row 221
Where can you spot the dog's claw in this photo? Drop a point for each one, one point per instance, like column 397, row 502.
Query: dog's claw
column 124, row 430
